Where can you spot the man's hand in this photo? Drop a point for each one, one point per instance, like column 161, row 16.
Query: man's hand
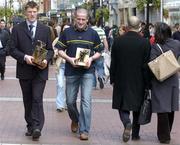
column 88, row 63
column 73, row 61
column 43, row 64
column 56, row 53
column 29, row 59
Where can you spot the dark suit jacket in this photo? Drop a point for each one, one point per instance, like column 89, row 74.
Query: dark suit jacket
column 21, row 44
column 4, row 37
column 129, row 57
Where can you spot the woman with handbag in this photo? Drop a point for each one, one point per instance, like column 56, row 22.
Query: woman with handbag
column 165, row 94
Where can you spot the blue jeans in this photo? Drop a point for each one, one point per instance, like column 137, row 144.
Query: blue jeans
column 60, row 98
column 85, row 83
column 99, row 68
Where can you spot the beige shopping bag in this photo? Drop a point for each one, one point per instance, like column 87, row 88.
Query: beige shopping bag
column 164, row 65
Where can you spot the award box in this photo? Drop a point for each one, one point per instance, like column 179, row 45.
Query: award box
column 82, row 56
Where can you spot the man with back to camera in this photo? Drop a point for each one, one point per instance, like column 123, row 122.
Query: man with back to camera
column 129, row 75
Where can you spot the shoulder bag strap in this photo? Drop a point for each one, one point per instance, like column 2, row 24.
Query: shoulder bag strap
column 149, row 96
column 160, row 48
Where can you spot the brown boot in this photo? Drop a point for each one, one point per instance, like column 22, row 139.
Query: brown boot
column 74, row 127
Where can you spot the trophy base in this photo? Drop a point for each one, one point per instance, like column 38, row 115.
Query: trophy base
column 81, row 63
column 40, row 65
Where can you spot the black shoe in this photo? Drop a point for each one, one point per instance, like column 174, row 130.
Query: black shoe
column 135, row 138
column 36, row 134
column 126, row 133
column 28, row 133
column 165, row 141
column 2, row 76
column 101, row 83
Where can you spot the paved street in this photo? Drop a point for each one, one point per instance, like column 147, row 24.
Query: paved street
column 106, row 127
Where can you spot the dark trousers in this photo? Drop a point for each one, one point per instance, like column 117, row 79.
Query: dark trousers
column 164, row 125
column 124, row 116
column 2, row 64
column 32, row 91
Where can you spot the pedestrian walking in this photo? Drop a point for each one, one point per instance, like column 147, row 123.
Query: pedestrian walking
column 60, row 78
column 99, row 63
column 32, row 79
column 165, row 95
column 176, row 34
column 80, row 35
column 4, row 38
column 129, row 76
column 3, row 25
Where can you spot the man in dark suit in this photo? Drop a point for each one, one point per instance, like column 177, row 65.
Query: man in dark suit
column 4, row 38
column 32, row 78
column 129, row 76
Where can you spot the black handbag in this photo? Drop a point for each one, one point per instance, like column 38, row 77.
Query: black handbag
column 146, row 109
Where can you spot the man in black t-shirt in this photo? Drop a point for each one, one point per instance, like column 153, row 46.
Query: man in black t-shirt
column 79, row 36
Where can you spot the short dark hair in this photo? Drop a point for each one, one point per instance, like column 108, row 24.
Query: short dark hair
column 31, row 4
column 2, row 20
column 93, row 21
column 176, row 25
column 162, row 32
column 51, row 23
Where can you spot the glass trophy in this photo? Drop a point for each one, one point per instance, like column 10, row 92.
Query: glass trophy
column 39, row 54
column 82, row 56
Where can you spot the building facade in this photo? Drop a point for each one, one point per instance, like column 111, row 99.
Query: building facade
column 173, row 7
column 119, row 10
column 128, row 8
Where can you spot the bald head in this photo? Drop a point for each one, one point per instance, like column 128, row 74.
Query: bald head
column 134, row 23
column 81, row 11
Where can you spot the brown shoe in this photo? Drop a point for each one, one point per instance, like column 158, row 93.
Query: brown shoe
column 83, row 136
column 74, row 127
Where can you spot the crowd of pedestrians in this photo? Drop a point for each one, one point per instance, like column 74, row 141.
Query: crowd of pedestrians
column 129, row 47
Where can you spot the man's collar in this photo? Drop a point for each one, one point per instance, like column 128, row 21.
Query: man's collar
column 29, row 23
column 84, row 29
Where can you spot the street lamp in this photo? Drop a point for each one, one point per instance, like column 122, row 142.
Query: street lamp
column 147, row 13
column 146, row 33
column 95, row 6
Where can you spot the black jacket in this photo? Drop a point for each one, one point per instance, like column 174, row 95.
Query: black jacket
column 4, row 37
column 21, row 44
column 129, row 58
